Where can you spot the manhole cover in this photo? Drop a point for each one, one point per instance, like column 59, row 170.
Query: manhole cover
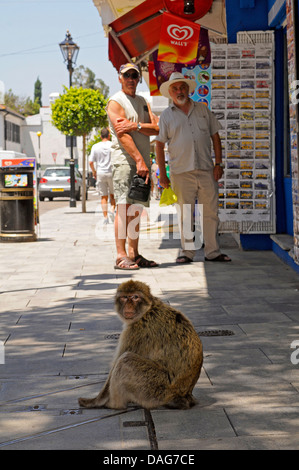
column 113, row 336
column 215, row 333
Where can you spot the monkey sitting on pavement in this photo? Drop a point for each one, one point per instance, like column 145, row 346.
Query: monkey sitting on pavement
column 159, row 355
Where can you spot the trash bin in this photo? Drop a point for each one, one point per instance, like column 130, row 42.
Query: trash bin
column 17, row 215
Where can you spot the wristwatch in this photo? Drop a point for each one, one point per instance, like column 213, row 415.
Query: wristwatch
column 139, row 127
column 220, row 164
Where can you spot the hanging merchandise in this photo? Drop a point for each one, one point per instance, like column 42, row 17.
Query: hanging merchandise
column 153, row 85
column 198, row 68
column 178, row 40
column 241, row 99
column 163, row 69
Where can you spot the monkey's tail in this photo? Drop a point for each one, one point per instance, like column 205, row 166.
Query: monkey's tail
column 99, row 401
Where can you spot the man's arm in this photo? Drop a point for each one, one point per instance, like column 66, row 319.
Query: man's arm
column 122, row 127
column 218, row 171
column 94, row 172
column 160, row 154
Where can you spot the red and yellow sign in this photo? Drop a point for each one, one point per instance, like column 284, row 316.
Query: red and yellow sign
column 153, row 85
column 178, row 40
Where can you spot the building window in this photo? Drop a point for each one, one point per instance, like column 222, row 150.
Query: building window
column 12, row 132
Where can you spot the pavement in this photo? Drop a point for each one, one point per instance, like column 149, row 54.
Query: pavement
column 59, row 331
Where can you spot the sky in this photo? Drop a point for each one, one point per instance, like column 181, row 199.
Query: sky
column 29, row 36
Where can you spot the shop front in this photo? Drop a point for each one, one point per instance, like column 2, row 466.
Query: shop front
column 251, row 84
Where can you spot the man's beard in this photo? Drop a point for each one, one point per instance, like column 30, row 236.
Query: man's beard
column 181, row 99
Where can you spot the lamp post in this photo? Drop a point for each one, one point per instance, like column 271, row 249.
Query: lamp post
column 70, row 51
column 38, row 166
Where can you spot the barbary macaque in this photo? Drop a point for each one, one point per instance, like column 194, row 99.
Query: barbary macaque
column 159, row 355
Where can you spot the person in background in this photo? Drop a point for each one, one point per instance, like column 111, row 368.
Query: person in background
column 100, row 164
column 154, row 179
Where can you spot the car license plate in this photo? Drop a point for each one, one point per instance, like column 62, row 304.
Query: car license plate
column 57, row 189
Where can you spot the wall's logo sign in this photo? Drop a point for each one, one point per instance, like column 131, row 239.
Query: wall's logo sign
column 180, row 33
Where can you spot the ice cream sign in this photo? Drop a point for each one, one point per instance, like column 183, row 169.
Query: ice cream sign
column 178, row 40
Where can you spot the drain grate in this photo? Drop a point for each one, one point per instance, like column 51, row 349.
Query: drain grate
column 113, row 336
column 215, row 333
column 71, row 412
column 36, row 408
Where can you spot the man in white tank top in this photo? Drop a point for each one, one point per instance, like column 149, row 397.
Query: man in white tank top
column 131, row 123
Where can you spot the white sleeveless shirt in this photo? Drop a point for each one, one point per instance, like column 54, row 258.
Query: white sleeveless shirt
column 136, row 110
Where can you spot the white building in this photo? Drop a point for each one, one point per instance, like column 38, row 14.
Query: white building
column 52, row 147
column 11, row 130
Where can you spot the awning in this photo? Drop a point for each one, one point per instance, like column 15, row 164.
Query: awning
column 136, row 34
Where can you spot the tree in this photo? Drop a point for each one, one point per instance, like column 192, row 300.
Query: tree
column 22, row 105
column 38, row 92
column 76, row 112
column 86, row 78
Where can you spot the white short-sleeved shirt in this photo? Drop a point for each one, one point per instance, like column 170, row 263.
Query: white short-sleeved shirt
column 188, row 137
column 101, row 155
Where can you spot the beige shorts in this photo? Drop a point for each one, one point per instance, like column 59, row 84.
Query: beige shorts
column 122, row 177
column 105, row 184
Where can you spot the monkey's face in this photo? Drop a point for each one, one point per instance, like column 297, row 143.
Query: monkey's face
column 131, row 307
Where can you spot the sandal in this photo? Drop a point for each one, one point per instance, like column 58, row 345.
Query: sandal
column 144, row 263
column 222, row 258
column 183, row 260
column 126, row 264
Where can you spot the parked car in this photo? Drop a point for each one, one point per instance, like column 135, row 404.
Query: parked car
column 56, row 182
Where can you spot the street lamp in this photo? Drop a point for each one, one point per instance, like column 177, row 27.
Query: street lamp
column 70, row 51
column 38, row 166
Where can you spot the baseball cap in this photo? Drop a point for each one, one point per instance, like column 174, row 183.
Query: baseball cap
column 129, row 66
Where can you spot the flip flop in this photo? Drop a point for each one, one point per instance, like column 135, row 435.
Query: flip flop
column 222, row 258
column 183, row 260
column 125, row 263
column 144, row 263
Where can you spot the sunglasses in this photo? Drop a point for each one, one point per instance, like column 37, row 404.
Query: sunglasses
column 133, row 75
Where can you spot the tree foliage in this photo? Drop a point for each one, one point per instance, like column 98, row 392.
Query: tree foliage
column 38, row 91
column 86, row 78
column 78, row 110
column 23, row 105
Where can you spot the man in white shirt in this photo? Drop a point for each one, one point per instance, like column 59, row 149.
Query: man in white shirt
column 188, row 128
column 100, row 164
